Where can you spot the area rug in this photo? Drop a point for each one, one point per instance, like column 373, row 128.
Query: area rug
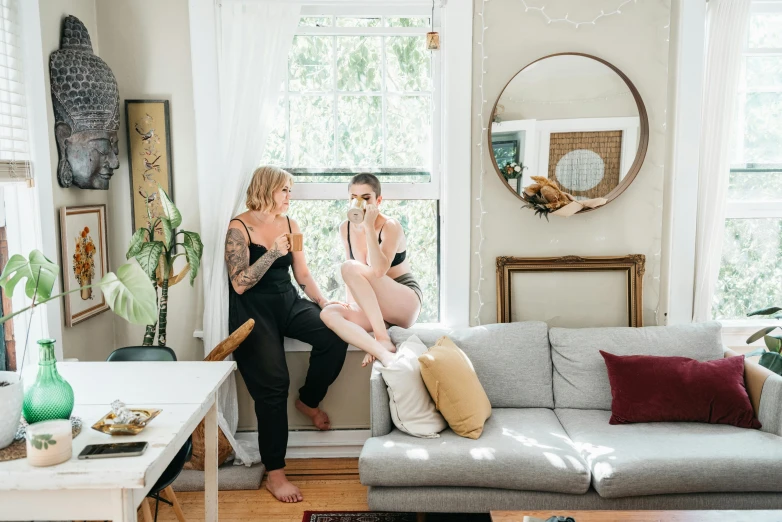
column 229, row 477
column 378, row 516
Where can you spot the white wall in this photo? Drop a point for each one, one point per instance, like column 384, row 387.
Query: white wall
column 146, row 44
column 93, row 339
column 635, row 42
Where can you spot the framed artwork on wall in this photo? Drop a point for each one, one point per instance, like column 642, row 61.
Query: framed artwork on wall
column 149, row 159
column 571, row 291
column 85, row 260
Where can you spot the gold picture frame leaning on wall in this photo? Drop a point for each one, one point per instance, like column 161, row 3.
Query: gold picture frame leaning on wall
column 149, row 158
column 85, row 260
column 555, row 290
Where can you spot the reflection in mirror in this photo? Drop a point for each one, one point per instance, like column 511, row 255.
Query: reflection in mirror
column 571, row 119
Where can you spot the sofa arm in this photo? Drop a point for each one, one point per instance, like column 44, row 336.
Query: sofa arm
column 770, row 415
column 379, row 412
column 765, row 393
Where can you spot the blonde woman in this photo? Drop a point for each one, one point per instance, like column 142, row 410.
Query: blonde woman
column 377, row 275
column 258, row 258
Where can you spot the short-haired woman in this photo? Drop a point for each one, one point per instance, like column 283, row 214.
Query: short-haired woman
column 258, row 258
column 377, row 275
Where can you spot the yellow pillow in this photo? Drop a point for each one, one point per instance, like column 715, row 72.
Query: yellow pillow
column 455, row 388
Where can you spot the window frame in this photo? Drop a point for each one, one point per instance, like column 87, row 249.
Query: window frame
column 430, row 190
column 34, row 209
column 456, row 113
column 426, row 190
column 735, row 331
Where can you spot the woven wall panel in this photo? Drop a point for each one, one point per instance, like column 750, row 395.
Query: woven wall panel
column 605, row 144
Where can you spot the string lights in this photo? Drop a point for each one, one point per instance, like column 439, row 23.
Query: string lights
column 575, row 23
column 655, row 249
column 484, row 129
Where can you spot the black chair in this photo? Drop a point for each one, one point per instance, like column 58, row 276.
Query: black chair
column 164, row 354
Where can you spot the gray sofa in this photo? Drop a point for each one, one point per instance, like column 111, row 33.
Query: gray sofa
column 548, row 444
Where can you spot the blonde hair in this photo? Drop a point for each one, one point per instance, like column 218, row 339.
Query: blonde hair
column 266, row 181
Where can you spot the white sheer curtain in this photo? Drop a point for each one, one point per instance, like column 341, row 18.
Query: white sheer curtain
column 254, row 39
column 726, row 32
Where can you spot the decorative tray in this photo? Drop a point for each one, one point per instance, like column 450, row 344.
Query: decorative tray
column 107, row 424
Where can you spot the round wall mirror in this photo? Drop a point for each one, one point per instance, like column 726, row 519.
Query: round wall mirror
column 573, row 119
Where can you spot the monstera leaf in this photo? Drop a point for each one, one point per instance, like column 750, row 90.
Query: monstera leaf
column 130, row 295
column 38, row 270
column 193, row 251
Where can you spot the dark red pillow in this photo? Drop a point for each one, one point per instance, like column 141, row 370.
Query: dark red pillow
column 649, row 388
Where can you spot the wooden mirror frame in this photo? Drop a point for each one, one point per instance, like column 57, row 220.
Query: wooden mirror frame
column 643, row 142
column 633, row 265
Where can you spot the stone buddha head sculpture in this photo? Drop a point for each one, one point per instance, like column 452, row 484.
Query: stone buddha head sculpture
column 86, row 111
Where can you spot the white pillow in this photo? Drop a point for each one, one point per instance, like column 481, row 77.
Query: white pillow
column 412, row 408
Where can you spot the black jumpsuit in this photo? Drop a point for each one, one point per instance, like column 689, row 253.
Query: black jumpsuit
column 279, row 312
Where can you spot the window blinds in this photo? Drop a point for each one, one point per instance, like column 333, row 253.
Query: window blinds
column 14, row 141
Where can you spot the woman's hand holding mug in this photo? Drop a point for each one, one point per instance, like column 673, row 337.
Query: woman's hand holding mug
column 282, row 244
column 371, row 215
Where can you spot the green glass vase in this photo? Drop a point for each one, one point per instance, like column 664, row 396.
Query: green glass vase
column 50, row 396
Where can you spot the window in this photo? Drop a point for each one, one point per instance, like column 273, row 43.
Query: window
column 360, row 96
column 20, row 224
column 14, row 147
column 751, row 273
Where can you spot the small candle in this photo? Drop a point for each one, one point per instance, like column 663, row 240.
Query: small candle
column 49, row 442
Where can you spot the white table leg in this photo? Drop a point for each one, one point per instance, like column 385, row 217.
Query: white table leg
column 126, row 508
column 210, row 462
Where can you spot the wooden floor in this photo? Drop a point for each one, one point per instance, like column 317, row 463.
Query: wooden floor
column 326, row 484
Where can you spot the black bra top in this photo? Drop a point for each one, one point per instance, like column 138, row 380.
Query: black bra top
column 277, row 278
column 398, row 258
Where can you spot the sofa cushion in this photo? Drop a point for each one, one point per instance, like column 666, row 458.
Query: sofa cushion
column 523, row 449
column 580, row 376
column 412, row 409
column 458, row 395
column 673, row 457
column 650, row 388
column 512, row 361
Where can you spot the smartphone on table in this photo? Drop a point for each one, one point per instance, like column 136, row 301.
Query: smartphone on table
column 115, row 449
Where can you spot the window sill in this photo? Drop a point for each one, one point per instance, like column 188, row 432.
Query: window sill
column 292, row 345
column 736, row 331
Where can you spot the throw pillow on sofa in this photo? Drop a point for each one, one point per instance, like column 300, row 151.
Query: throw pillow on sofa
column 451, row 380
column 649, row 388
column 412, row 409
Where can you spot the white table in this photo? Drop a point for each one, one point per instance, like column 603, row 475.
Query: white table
column 113, row 489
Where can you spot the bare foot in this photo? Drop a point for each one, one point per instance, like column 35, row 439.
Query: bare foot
column 368, row 359
column 318, row 416
column 279, row 486
column 388, row 345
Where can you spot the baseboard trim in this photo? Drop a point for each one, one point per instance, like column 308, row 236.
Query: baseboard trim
column 320, row 444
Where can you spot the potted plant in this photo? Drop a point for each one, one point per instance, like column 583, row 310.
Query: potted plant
column 513, row 170
column 157, row 258
column 127, row 293
column 770, row 359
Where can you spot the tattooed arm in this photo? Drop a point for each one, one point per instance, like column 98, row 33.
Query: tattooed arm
column 237, row 259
